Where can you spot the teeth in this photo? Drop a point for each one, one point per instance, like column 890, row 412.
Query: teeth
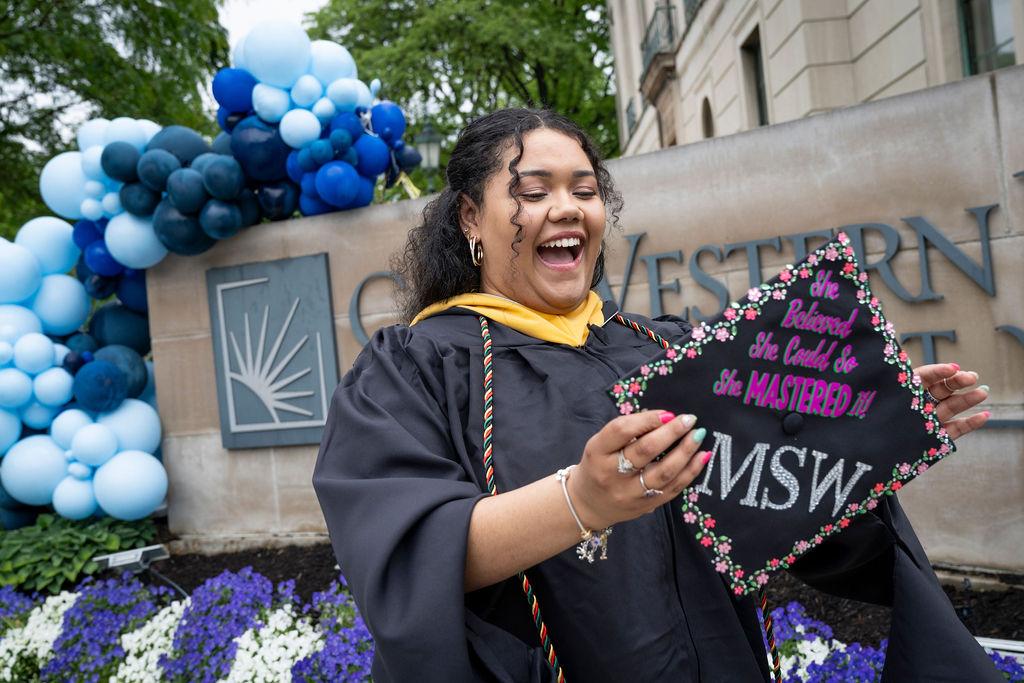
column 564, row 242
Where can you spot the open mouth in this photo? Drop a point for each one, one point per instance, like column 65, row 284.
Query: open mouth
column 561, row 253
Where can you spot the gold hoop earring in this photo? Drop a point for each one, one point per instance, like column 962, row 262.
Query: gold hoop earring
column 476, row 252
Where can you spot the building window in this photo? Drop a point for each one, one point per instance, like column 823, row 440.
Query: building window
column 986, row 35
column 707, row 120
column 753, row 78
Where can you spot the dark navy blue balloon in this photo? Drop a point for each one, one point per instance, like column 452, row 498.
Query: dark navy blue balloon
column 222, row 144
column 308, row 185
column 408, row 158
column 137, row 199
column 220, row 219
column 73, row 362
column 99, row 260
column 311, row 206
column 374, row 155
column 182, row 142
column 200, row 162
column 131, row 290
column 129, row 362
column 80, row 341
column 321, row 151
column 258, row 147
column 154, row 166
column 350, row 122
column 249, row 206
column 186, row 191
column 291, row 165
column 278, row 201
column 82, row 269
column 119, row 160
column 223, row 179
column 113, row 323
column 178, row 231
column 100, row 386
column 85, row 233
column 232, row 88
column 337, row 183
column 99, row 287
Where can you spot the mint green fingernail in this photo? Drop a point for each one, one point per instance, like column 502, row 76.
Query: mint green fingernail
column 699, row 435
column 984, row 387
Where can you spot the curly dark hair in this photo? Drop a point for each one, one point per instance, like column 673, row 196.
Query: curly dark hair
column 435, row 263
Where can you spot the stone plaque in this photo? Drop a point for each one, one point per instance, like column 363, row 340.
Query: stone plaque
column 274, row 350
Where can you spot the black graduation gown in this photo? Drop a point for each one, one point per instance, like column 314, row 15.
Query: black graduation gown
column 400, row 469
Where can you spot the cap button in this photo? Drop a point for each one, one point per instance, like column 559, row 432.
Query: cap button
column 792, row 423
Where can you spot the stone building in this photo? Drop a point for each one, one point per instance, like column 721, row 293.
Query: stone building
column 688, row 70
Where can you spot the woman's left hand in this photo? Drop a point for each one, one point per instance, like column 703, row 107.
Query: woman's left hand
column 942, row 380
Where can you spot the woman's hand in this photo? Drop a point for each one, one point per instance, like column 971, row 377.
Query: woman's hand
column 942, row 380
column 604, row 496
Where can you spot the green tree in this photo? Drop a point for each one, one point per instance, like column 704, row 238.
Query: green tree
column 453, row 60
column 63, row 62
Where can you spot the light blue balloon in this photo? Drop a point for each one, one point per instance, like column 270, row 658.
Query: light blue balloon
column 299, row 128
column 330, row 61
column 66, row 425
column 277, row 53
column 132, row 241
column 91, row 166
column 94, row 189
column 111, row 203
column 6, row 353
column 73, row 498
column 306, row 91
column 91, row 133
column 59, row 352
column 149, row 393
column 17, row 321
column 91, row 208
column 131, row 485
column 61, row 303
column 324, row 109
column 149, row 128
column 32, row 469
column 10, row 429
column 375, row 86
column 53, row 387
column 365, row 99
column 50, row 241
column 270, row 103
column 238, row 55
column 19, row 272
column 136, row 424
column 79, row 470
column 38, row 416
column 15, row 388
column 33, row 353
column 62, row 184
column 125, row 129
column 94, row 444
column 344, row 92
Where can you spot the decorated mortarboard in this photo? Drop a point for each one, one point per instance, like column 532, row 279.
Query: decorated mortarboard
column 812, row 413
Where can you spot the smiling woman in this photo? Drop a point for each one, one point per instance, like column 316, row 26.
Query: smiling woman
column 496, row 386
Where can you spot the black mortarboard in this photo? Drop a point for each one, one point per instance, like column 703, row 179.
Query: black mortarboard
column 812, row 414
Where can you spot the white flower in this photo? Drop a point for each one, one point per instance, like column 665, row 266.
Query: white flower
column 144, row 646
column 34, row 641
column 267, row 652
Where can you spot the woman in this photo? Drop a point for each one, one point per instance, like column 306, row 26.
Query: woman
column 497, row 384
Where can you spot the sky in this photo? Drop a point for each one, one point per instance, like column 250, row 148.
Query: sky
column 239, row 16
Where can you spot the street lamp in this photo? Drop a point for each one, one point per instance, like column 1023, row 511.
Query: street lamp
column 428, row 144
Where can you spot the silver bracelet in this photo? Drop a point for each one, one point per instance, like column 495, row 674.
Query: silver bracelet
column 590, row 542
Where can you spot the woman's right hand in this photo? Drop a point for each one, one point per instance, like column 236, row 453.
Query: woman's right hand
column 604, row 496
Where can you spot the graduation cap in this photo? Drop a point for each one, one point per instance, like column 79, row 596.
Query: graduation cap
column 812, row 414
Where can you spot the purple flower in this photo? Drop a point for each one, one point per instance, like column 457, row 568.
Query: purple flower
column 347, row 654
column 14, row 604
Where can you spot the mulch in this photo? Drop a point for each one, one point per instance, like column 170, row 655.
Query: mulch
column 991, row 613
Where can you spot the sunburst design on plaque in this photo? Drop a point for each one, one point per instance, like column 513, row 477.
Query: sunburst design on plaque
column 260, row 374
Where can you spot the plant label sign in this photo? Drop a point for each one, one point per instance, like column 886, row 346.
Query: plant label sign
column 812, row 414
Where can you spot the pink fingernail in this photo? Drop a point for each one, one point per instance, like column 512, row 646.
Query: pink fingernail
column 667, row 417
column 705, row 457
column 956, row 368
column 987, row 413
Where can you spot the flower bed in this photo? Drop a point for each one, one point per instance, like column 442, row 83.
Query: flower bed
column 239, row 627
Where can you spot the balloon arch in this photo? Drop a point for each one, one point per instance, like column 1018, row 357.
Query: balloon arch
column 79, row 427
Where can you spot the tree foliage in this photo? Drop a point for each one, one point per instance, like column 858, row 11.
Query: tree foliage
column 453, row 60
column 63, row 62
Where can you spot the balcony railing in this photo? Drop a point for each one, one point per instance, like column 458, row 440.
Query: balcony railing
column 660, row 34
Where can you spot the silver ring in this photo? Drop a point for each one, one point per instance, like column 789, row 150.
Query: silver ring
column 648, row 493
column 625, row 466
column 951, row 391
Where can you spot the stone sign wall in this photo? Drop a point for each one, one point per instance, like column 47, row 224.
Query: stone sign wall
column 924, row 183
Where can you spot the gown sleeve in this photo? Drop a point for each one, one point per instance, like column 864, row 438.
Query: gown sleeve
column 879, row 559
column 397, row 502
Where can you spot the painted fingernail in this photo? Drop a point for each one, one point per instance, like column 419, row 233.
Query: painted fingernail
column 688, row 420
column 699, row 435
column 987, row 413
column 956, row 367
column 705, row 456
column 984, row 387
column 667, row 417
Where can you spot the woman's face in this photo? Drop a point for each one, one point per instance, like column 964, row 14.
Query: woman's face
column 563, row 221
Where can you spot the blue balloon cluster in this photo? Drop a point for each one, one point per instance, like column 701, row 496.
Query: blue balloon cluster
column 306, row 97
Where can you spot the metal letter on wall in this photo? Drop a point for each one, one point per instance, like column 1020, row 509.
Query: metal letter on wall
column 273, row 349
